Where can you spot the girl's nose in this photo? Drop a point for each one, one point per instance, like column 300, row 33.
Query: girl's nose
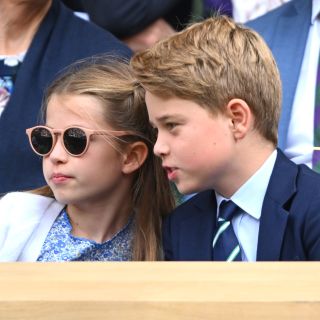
column 58, row 153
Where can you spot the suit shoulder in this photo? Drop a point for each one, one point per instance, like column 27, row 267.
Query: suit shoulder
column 188, row 207
column 269, row 19
column 307, row 193
column 308, row 178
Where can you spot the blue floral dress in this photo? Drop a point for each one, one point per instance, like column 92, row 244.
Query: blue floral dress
column 61, row 245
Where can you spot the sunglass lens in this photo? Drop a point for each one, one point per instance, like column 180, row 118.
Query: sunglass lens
column 75, row 140
column 41, row 140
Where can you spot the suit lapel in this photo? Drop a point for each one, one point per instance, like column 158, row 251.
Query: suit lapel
column 275, row 212
column 288, row 47
column 198, row 227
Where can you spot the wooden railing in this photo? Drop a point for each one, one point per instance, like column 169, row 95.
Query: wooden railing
column 160, row 290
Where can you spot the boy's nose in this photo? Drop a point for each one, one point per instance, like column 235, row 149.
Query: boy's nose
column 160, row 148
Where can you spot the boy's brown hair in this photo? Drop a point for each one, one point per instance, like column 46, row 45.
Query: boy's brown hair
column 212, row 62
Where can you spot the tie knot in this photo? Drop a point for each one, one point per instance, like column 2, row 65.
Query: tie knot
column 227, row 210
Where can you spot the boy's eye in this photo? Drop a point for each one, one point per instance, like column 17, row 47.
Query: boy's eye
column 170, row 125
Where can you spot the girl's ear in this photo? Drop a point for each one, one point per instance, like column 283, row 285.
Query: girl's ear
column 241, row 117
column 134, row 156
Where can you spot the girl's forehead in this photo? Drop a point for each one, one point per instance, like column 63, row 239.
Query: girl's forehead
column 76, row 109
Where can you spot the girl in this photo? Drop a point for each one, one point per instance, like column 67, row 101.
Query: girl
column 106, row 191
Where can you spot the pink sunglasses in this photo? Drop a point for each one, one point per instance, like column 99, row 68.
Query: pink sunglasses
column 75, row 139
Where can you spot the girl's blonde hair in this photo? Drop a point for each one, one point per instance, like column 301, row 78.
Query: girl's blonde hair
column 110, row 80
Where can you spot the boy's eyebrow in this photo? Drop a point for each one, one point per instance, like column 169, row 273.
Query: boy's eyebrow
column 164, row 118
column 160, row 120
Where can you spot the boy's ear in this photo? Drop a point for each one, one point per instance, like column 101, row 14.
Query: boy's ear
column 134, row 157
column 241, row 116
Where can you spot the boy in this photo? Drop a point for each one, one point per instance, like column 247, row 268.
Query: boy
column 213, row 92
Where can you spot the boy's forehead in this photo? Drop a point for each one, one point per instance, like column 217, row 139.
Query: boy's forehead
column 162, row 108
column 154, row 99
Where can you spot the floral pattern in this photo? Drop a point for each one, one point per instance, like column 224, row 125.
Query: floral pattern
column 61, row 245
column 8, row 73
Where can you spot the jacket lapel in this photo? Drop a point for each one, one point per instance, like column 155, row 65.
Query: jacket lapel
column 198, row 228
column 274, row 215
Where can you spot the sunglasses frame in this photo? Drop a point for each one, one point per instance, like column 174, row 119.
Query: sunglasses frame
column 113, row 134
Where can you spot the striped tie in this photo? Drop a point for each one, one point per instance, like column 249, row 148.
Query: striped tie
column 316, row 132
column 225, row 243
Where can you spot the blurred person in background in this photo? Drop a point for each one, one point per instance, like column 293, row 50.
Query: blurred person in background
column 139, row 23
column 241, row 11
column 292, row 31
column 37, row 39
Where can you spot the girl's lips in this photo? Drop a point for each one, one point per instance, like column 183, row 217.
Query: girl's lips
column 58, row 178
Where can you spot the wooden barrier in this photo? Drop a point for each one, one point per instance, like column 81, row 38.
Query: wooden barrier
column 160, row 290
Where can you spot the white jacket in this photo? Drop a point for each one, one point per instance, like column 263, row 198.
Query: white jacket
column 25, row 221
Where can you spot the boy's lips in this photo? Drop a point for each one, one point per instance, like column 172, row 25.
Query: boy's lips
column 171, row 172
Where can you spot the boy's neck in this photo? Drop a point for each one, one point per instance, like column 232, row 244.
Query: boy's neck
column 250, row 157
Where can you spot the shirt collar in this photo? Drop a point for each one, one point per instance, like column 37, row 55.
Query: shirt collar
column 249, row 197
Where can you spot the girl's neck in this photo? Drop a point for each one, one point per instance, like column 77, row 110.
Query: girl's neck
column 19, row 22
column 99, row 222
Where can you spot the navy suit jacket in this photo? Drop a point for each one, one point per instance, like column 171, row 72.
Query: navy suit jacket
column 289, row 224
column 285, row 30
column 61, row 39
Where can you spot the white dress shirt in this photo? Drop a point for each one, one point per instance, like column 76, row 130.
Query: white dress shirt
column 299, row 147
column 249, row 197
column 244, row 11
